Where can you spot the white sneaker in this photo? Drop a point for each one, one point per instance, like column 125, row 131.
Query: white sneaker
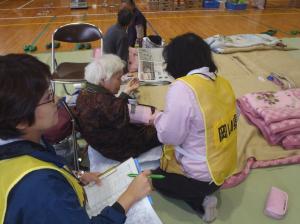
column 210, row 208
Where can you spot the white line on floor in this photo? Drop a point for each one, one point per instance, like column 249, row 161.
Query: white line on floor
column 162, row 12
column 27, row 3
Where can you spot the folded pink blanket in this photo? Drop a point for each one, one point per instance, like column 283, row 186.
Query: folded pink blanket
column 272, row 138
column 284, row 125
column 276, row 114
column 275, row 106
column 291, row 142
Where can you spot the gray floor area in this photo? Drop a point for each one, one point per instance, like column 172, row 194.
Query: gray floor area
column 243, row 203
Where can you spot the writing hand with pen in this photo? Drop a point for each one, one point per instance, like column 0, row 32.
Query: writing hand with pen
column 139, row 188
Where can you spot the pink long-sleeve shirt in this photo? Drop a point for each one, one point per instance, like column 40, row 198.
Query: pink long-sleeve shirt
column 181, row 124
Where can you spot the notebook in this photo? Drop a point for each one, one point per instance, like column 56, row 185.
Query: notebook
column 151, row 67
column 112, row 186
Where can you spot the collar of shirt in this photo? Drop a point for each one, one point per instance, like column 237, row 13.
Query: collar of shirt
column 17, row 147
column 4, row 142
column 96, row 88
column 203, row 70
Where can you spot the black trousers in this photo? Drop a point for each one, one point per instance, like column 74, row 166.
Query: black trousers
column 181, row 187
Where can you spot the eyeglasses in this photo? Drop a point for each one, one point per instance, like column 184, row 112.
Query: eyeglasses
column 50, row 98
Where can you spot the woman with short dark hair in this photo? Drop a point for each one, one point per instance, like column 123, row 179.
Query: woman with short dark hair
column 188, row 52
column 21, row 103
column 198, row 127
column 36, row 186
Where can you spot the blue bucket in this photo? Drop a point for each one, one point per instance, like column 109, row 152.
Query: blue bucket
column 235, row 6
column 210, row 4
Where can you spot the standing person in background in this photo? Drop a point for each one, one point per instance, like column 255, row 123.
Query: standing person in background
column 138, row 28
column 115, row 40
column 197, row 126
column 36, row 185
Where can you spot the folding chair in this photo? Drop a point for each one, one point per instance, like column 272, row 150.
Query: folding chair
column 73, row 135
column 72, row 72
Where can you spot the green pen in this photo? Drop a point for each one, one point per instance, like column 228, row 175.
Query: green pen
column 152, row 176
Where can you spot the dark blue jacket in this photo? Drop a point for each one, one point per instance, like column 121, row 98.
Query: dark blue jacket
column 115, row 41
column 45, row 196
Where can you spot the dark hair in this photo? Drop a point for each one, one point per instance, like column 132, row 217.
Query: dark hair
column 155, row 39
column 187, row 52
column 124, row 17
column 130, row 2
column 23, row 82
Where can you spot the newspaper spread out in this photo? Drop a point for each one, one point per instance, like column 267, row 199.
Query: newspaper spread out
column 151, row 67
column 112, row 186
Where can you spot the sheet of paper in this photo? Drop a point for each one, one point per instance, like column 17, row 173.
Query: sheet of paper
column 112, row 186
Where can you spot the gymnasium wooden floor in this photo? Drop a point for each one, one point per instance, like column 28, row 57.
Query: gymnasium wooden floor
column 33, row 21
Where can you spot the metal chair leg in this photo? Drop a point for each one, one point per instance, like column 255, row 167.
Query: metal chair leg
column 74, row 146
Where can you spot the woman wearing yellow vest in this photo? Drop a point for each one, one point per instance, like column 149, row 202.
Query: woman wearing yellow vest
column 197, row 126
column 36, row 187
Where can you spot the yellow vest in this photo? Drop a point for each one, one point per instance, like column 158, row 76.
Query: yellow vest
column 216, row 101
column 13, row 170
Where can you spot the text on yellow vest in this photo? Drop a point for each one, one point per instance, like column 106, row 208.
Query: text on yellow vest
column 217, row 104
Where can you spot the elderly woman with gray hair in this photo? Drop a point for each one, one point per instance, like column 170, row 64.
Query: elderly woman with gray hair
column 104, row 118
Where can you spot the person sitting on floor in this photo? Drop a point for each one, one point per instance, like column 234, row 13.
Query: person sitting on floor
column 36, row 185
column 200, row 147
column 104, row 118
column 138, row 27
column 115, row 40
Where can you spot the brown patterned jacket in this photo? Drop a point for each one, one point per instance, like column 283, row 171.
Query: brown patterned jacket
column 104, row 123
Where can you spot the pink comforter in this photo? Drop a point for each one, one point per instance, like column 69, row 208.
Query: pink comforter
column 276, row 114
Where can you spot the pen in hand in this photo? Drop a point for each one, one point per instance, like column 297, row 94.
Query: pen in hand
column 152, row 176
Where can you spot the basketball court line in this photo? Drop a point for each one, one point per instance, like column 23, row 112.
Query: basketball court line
column 50, row 7
column 43, row 31
column 33, row 8
column 162, row 11
column 25, row 4
column 265, row 25
column 158, row 17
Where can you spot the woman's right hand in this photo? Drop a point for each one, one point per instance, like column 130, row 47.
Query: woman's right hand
column 132, row 85
column 138, row 189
